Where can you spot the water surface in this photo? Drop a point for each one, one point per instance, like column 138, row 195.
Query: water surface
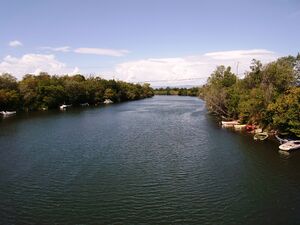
column 155, row 161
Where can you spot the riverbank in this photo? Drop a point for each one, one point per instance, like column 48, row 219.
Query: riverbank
column 268, row 96
column 44, row 91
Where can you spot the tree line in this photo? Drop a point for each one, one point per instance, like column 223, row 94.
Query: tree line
column 43, row 91
column 194, row 91
column 268, row 95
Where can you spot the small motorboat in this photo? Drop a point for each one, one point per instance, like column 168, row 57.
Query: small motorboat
column 257, row 131
column 239, row 126
column 108, row 101
column 232, row 123
column 281, row 140
column 84, row 104
column 8, row 113
column 250, row 127
column 229, row 123
column 64, row 107
column 290, row 145
column 261, row 136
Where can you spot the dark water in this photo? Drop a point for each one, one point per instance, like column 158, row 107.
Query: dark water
column 156, row 161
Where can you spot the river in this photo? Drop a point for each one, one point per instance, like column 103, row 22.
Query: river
column 162, row 160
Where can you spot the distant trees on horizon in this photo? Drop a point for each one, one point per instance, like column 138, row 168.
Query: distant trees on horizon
column 194, row 91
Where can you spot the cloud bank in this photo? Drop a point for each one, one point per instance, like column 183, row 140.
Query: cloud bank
column 190, row 70
column 34, row 64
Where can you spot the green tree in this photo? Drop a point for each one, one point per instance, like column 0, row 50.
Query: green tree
column 218, row 92
column 286, row 112
column 7, row 81
column 110, row 94
column 9, row 100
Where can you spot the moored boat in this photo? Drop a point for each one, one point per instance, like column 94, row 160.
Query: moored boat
column 239, row 126
column 261, row 136
column 290, row 145
column 250, row 127
column 8, row 113
column 84, row 104
column 257, row 130
column 281, row 140
column 229, row 123
column 108, row 101
column 63, row 107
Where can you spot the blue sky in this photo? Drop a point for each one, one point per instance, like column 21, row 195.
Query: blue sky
column 130, row 39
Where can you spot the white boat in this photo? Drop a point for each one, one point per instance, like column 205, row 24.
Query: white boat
column 281, row 140
column 230, row 123
column 239, row 126
column 63, row 107
column 8, row 113
column 258, row 130
column 290, row 145
column 261, row 136
column 108, row 101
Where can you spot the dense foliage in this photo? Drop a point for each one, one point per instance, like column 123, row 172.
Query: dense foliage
column 177, row 91
column 45, row 91
column 268, row 95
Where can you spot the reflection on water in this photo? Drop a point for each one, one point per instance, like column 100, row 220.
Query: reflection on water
column 284, row 154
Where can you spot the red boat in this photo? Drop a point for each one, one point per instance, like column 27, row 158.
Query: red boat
column 250, row 127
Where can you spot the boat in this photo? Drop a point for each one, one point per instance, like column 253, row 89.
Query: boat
column 290, row 145
column 108, row 101
column 257, row 131
column 250, row 127
column 64, row 107
column 239, row 126
column 84, row 104
column 281, row 140
column 230, row 123
column 8, row 113
column 261, row 136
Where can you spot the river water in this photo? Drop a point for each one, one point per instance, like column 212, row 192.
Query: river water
column 162, row 160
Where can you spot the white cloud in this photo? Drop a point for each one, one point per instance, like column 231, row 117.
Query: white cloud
column 102, row 51
column 57, row 49
column 241, row 54
column 15, row 43
column 183, row 70
column 92, row 51
column 34, row 64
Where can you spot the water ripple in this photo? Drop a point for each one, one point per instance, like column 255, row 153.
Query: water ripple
column 154, row 161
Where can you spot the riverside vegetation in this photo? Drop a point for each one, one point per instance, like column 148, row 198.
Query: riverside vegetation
column 268, row 95
column 194, row 91
column 47, row 92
